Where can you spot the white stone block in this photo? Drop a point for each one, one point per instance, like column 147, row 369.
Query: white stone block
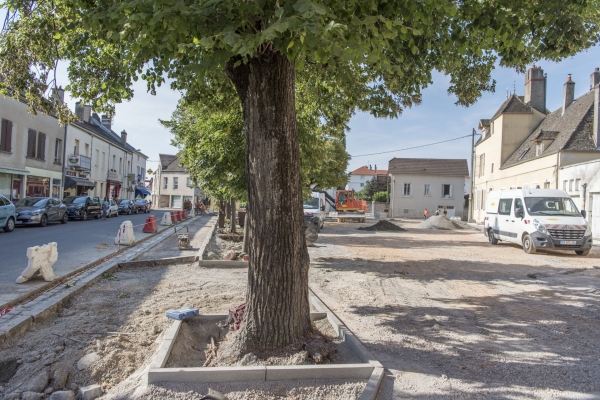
column 166, row 219
column 125, row 235
column 41, row 260
column 90, row 392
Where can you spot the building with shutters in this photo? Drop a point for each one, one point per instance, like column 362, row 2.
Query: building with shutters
column 31, row 152
column 525, row 145
column 434, row 184
column 172, row 185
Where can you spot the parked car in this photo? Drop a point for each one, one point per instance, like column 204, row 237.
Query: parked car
column 127, row 207
column 537, row 219
column 142, row 205
column 113, row 208
column 8, row 216
column 41, row 210
column 82, row 207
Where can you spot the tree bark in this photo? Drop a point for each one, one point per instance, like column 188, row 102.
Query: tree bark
column 232, row 227
column 277, row 308
column 221, row 214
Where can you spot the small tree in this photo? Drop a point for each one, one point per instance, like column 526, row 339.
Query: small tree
column 380, row 197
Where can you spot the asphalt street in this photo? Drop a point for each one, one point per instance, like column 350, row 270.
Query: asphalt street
column 79, row 243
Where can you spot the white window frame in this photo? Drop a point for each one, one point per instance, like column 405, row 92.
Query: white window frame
column 175, row 183
column 450, row 189
column 406, row 192
column 577, row 184
column 427, row 190
column 539, row 148
column 166, row 183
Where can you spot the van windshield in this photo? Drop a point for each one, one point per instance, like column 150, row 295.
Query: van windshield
column 312, row 203
column 551, row 206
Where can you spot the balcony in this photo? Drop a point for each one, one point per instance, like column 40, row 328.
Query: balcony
column 79, row 162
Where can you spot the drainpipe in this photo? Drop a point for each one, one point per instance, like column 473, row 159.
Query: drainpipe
column 557, row 162
column 64, row 168
column 472, row 183
column 584, row 186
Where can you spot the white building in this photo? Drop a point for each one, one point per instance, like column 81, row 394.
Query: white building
column 427, row 183
column 359, row 177
column 172, row 185
column 582, row 182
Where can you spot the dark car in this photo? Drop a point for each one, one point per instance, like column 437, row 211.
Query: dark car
column 142, row 205
column 41, row 210
column 82, row 207
column 127, row 207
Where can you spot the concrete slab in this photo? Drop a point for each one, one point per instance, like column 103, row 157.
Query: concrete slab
column 370, row 391
column 327, row 371
column 214, row 374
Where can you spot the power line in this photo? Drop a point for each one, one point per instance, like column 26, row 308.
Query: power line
column 410, row 148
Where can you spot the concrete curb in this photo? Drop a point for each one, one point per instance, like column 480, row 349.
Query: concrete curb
column 206, row 240
column 222, row 264
column 48, row 303
column 64, row 278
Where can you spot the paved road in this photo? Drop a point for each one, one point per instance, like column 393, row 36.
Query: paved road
column 79, row 243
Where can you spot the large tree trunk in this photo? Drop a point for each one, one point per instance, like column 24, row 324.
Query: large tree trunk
column 277, row 309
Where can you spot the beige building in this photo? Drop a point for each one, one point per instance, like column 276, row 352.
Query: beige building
column 172, row 185
column 31, row 152
column 434, row 184
column 525, row 145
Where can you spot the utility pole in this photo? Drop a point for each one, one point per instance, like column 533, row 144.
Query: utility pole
column 471, row 208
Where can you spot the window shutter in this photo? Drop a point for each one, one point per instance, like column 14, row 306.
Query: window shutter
column 3, row 136
column 41, row 150
column 31, row 143
column 8, row 136
column 451, row 190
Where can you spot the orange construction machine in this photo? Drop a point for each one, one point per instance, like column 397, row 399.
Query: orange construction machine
column 348, row 207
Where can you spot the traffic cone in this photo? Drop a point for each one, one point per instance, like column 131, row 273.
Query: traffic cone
column 185, row 214
column 174, row 217
column 150, row 225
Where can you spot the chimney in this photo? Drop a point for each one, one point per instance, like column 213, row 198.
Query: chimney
column 375, row 169
column 596, row 128
column 123, row 137
column 535, row 88
column 87, row 113
column 568, row 94
column 59, row 94
column 79, row 110
column 594, row 78
column 106, row 121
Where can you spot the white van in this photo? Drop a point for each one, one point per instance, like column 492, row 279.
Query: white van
column 537, row 219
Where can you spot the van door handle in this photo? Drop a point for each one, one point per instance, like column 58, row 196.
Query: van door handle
column 512, row 220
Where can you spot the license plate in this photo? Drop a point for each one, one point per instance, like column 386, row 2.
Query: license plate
column 568, row 242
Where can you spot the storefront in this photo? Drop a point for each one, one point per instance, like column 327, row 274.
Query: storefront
column 11, row 182
column 113, row 189
column 79, row 185
column 41, row 183
column 141, row 191
column 37, row 186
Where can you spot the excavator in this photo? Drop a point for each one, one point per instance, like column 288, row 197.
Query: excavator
column 349, row 208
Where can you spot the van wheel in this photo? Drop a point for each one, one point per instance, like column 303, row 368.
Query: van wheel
column 582, row 252
column 528, row 245
column 491, row 237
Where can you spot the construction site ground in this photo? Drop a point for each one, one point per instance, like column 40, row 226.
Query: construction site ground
column 447, row 314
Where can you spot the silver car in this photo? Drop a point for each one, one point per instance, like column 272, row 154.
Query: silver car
column 41, row 211
column 7, row 214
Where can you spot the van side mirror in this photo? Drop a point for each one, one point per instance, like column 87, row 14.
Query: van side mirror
column 518, row 213
column 583, row 213
column 322, row 208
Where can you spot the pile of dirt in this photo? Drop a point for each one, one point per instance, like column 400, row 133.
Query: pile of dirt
column 439, row 222
column 222, row 244
column 383, row 226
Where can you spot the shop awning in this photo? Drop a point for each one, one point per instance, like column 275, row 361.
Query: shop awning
column 14, row 171
column 71, row 182
column 142, row 191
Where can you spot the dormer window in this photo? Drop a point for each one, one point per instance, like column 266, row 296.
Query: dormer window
column 539, row 148
column 523, row 154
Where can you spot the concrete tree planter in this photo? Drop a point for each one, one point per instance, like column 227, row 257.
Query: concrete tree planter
column 368, row 369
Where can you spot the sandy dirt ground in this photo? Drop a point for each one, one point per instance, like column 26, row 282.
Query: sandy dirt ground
column 451, row 316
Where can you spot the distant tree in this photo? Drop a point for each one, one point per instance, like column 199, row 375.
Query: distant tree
column 380, row 197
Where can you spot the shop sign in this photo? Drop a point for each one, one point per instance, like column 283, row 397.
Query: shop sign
column 113, row 176
column 73, row 160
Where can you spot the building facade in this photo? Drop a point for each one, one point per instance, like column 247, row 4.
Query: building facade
column 427, row 183
column 172, row 185
column 359, row 177
column 525, row 145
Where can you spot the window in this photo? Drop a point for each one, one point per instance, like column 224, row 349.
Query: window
column 427, row 192
column 504, row 206
column 76, row 149
column 565, row 186
column 492, row 168
column 481, row 165
column 128, row 166
column 57, row 151
column 87, row 150
column 6, row 136
column 166, row 183
column 406, row 189
column 523, row 154
column 546, row 185
column 103, row 160
column 120, row 163
column 189, row 182
column 519, row 204
column 362, row 185
column 539, row 148
column 38, row 151
column 114, row 166
column 577, row 184
column 447, row 191
column 175, row 183
column 97, row 162
column 571, row 185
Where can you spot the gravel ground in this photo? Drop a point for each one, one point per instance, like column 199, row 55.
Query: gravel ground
column 451, row 316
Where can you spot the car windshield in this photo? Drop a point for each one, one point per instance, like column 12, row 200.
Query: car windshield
column 312, row 203
column 124, row 202
column 74, row 200
column 551, row 206
column 29, row 202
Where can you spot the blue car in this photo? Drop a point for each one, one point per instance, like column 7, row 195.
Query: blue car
column 8, row 216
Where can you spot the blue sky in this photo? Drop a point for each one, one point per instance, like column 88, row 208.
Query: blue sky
column 436, row 119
